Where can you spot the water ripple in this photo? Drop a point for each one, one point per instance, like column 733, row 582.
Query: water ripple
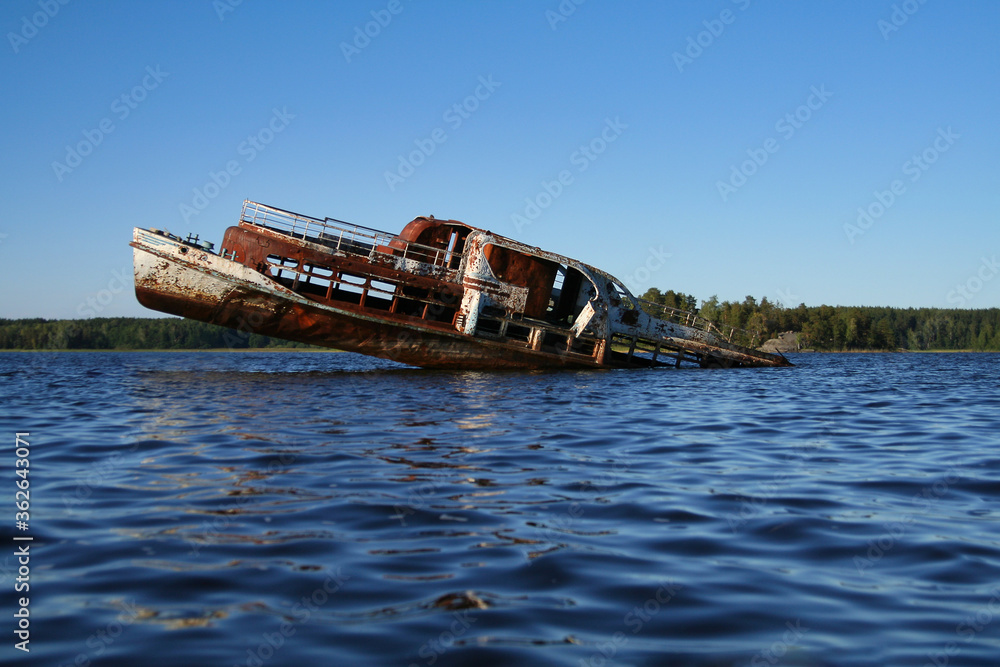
column 211, row 509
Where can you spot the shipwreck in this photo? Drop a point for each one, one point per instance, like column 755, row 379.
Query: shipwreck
column 440, row 294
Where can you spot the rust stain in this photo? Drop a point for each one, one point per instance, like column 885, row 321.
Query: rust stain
column 441, row 294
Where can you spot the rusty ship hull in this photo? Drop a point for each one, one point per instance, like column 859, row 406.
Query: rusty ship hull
column 441, row 294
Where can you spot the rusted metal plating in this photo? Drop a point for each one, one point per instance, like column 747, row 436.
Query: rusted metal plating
column 441, row 294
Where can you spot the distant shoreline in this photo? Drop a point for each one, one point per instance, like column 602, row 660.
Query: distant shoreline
column 891, row 352
column 877, row 330
column 308, row 350
column 239, row 350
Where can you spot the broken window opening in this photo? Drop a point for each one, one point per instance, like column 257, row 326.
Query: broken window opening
column 553, row 339
column 517, row 332
column 584, row 346
column 617, row 290
column 489, row 327
column 458, row 250
column 570, row 293
column 279, row 263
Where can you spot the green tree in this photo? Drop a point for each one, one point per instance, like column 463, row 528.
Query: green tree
column 710, row 309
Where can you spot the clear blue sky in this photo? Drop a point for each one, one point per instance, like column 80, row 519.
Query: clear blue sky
column 738, row 137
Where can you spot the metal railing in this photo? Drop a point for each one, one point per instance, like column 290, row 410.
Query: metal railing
column 728, row 333
column 342, row 236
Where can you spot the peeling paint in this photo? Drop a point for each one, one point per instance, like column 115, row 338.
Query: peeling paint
column 441, row 294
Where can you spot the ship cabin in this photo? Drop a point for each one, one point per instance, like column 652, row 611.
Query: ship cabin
column 448, row 277
column 441, row 274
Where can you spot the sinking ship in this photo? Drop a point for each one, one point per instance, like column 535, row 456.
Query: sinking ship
column 440, row 294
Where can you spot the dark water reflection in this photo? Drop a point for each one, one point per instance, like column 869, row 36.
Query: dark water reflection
column 290, row 509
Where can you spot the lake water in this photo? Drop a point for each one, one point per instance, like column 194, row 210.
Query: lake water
column 329, row 509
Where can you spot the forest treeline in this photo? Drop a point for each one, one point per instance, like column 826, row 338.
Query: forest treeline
column 823, row 328
column 128, row 333
column 846, row 328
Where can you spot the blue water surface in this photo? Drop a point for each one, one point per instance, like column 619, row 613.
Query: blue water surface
column 328, row 509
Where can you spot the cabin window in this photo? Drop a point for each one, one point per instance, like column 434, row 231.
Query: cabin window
column 319, row 270
column 553, row 339
column 457, row 248
column 520, row 333
column 386, row 288
column 378, row 294
column 488, row 326
column 348, row 288
column 441, row 308
column 570, row 293
column 617, row 290
column 315, row 279
column 283, row 263
column 523, row 270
